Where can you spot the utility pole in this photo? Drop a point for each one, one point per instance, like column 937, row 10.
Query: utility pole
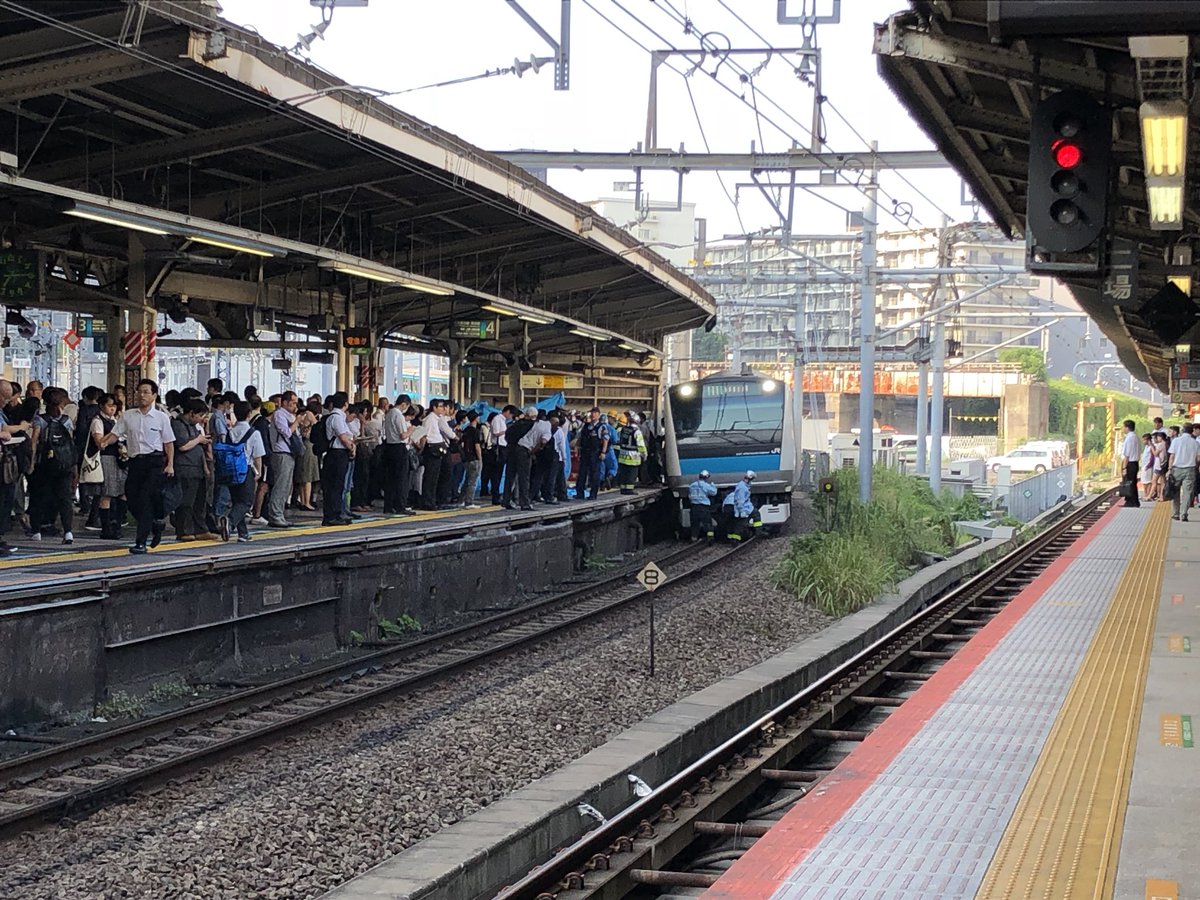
column 866, row 324
column 936, row 407
column 800, row 331
column 922, row 400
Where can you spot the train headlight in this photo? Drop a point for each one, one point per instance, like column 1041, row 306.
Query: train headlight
column 687, row 390
column 769, row 385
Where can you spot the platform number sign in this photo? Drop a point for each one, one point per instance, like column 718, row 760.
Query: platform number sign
column 651, row 577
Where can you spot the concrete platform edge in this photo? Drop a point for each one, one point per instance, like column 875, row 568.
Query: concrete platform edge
column 525, row 827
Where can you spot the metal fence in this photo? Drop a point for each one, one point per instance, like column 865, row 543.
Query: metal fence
column 1027, row 499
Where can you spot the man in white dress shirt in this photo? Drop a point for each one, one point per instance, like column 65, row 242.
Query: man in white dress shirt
column 1184, row 451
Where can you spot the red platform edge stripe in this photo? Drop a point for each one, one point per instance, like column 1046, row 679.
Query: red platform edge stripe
column 765, row 867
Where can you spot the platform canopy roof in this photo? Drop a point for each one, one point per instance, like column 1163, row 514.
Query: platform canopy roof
column 973, row 88
column 261, row 186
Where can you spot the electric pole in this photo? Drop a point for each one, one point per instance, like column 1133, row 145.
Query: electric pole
column 866, row 394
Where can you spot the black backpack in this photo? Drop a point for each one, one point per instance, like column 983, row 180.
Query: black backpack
column 59, row 454
column 320, row 436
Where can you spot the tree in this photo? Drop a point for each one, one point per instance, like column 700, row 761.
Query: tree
column 708, row 346
column 1031, row 360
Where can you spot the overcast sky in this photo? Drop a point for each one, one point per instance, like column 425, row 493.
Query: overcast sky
column 397, row 44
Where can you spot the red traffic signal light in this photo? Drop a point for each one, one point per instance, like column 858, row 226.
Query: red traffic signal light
column 1070, row 145
column 1066, row 154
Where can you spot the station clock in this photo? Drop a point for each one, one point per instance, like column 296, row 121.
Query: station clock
column 20, row 276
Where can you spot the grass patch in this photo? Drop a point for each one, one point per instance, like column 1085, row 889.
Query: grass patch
column 866, row 548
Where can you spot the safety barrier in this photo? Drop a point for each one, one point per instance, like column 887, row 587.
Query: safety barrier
column 1028, row 498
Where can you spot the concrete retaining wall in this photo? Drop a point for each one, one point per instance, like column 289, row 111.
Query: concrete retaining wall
column 495, row 846
column 282, row 607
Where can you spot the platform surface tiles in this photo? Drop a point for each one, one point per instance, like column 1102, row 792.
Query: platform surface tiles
column 1052, row 757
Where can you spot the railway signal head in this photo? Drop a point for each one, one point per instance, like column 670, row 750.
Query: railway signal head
column 1070, row 144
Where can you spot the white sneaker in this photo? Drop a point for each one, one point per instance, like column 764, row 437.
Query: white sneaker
column 258, row 521
column 35, row 536
column 68, row 538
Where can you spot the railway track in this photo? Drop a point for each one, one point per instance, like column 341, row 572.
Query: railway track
column 77, row 776
column 681, row 836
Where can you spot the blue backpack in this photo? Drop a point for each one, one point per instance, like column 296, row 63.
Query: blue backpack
column 230, row 465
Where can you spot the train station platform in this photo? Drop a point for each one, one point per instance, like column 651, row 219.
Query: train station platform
column 213, row 612
column 1051, row 757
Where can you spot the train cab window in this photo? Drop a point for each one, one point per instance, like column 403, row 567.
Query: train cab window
column 729, row 408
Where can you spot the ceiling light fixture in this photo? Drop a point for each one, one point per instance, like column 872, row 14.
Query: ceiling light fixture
column 230, row 245
column 1164, row 154
column 115, row 217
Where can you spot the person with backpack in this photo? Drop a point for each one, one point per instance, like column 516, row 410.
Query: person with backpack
column 239, row 462
column 55, row 473
column 339, row 451
column 151, row 442
column 191, row 465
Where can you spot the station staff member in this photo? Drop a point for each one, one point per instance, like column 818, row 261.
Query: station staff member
column 151, row 442
column 1183, row 471
column 700, row 494
column 1131, row 452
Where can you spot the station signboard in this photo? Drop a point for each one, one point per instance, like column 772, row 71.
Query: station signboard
column 473, row 329
column 546, row 382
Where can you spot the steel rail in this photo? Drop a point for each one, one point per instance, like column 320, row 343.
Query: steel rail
column 143, row 750
column 629, row 833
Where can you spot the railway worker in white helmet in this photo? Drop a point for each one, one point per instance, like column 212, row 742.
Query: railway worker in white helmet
column 700, row 495
column 631, row 452
column 739, row 509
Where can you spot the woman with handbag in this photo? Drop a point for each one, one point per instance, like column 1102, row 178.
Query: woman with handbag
column 113, row 460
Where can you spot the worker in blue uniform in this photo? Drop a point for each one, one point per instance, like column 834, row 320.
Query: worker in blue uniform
column 700, row 496
column 738, row 509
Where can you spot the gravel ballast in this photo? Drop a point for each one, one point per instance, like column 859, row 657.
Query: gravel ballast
column 305, row 814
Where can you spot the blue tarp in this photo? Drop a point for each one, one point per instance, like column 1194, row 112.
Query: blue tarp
column 551, row 403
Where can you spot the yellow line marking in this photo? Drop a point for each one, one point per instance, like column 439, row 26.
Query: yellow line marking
column 1158, row 889
column 1065, row 834
column 269, row 535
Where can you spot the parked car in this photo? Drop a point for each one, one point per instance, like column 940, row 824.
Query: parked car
column 1060, row 451
column 1026, row 459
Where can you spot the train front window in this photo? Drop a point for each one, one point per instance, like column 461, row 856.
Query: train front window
column 727, row 408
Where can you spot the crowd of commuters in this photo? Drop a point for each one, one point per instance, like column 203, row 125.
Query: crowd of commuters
column 210, row 465
column 1165, row 462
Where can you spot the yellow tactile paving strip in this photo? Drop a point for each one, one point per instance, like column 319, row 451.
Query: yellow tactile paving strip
column 1063, row 840
column 170, row 544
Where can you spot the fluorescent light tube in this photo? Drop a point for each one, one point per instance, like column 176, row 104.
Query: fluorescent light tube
column 1164, row 138
column 1166, row 205
column 491, row 307
column 229, row 245
column 115, row 219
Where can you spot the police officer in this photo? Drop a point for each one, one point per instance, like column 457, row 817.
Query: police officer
column 631, row 452
column 739, row 508
column 700, row 494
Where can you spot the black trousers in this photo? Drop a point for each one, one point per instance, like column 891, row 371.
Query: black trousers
column 587, row 484
column 144, row 490
column 516, row 476
column 499, row 473
column 190, row 516
column 360, row 492
column 702, row 522
column 437, row 474
column 333, row 485
column 1131, row 475
column 396, row 478
column 489, row 474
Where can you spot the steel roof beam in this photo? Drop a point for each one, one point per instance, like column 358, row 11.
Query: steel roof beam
column 147, row 154
column 63, row 74
column 685, row 161
column 900, row 37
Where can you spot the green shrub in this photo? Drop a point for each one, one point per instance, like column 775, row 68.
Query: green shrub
column 868, row 547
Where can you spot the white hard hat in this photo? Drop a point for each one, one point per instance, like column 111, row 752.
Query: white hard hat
column 750, row 475
column 704, row 473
